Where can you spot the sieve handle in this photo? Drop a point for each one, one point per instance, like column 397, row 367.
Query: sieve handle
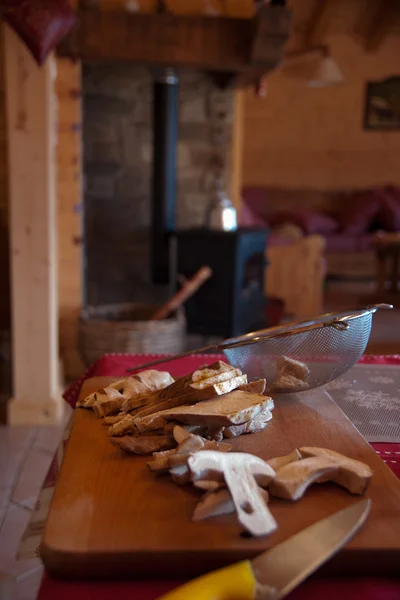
column 338, row 324
column 341, row 323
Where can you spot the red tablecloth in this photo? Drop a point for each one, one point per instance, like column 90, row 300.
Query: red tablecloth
column 314, row 589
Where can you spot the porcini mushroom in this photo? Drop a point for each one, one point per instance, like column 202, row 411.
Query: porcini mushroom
column 280, row 461
column 351, row 474
column 217, row 503
column 293, row 479
column 239, row 471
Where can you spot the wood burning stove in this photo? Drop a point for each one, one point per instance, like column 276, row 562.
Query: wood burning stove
column 232, row 301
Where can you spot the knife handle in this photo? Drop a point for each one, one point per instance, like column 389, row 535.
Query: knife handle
column 236, row 582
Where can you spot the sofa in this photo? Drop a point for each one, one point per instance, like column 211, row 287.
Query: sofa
column 348, row 221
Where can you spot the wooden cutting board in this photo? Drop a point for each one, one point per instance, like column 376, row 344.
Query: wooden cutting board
column 111, row 517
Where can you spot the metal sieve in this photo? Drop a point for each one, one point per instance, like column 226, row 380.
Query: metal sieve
column 326, row 347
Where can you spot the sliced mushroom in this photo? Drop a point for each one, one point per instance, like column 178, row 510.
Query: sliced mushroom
column 257, row 424
column 214, row 433
column 184, row 450
column 254, row 387
column 218, row 503
column 204, row 382
column 290, row 366
column 280, row 461
column 159, row 464
column 262, row 472
column 145, row 444
column 89, row 401
column 208, row 486
column 123, row 427
column 352, row 474
column 111, row 420
column 180, row 474
column 293, row 479
column 180, row 433
column 211, row 370
column 111, row 406
column 237, row 470
column 286, row 384
column 193, row 395
column 162, row 461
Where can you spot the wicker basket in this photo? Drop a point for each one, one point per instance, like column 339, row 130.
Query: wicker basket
column 126, row 328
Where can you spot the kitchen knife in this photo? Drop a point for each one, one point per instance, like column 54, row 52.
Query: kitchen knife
column 274, row 573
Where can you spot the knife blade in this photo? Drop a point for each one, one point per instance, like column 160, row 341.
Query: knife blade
column 276, row 572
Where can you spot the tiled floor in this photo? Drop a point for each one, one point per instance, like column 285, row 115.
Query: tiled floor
column 25, row 456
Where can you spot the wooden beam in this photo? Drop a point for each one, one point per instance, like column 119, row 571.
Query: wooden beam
column 214, row 44
column 211, row 44
column 271, row 31
column 385, row 13
column 319, row 22
column 31, row 129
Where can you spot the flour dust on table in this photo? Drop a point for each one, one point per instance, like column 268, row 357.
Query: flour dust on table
column 369, row 395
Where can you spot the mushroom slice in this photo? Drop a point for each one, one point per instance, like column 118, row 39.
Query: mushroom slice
column 163, row 461
column 214, row 467
column 112, row 419
column 287, row 384
column 145, row 444
column 122, row 427
column 352, row 474
column 211, row 370
column 290, row 366
column 180, row 434
column 208, row 486
column 89, row 401
column 254, row 387
column 159, row 464
column 280, row 461
column 237, row 470
column 111, row 405
column 218, row 503
column 180, row 474
column 293, row 479
column 215, row 433
column 257, row 424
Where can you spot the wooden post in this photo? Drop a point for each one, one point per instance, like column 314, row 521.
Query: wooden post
column 31, row 129
column 69, row 201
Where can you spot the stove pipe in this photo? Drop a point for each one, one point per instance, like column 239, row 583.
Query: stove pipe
column 165, row 136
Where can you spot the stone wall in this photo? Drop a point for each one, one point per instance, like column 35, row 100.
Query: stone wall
column 117, row 142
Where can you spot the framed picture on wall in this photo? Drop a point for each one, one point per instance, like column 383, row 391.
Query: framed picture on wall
column 382, row 105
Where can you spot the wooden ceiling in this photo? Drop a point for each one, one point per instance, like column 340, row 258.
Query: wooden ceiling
column 240, row 50
column 369, row 21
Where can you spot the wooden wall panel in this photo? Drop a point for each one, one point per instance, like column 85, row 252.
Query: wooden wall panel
column 69, row 197
column 314, row 138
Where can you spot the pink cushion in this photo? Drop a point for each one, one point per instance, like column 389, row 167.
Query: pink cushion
column 40, row 24
column 249, row 218
column 360, row 211
column 256, row 199
column 389, row 214
column 309, row 221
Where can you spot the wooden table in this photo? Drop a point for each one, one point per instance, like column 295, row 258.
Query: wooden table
column 349, row 589
column 387, row 251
